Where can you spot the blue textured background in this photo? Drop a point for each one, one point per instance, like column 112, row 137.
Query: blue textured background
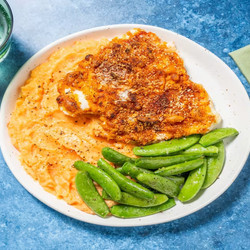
column 221, row 27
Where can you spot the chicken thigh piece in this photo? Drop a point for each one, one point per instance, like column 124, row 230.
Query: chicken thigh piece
column 138, row 87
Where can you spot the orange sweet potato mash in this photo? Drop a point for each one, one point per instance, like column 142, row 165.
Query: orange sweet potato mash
column 49, row 141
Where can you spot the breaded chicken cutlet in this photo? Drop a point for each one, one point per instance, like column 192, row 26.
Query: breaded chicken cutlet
column 138, row 87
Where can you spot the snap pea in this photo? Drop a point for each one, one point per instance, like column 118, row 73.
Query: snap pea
column 166, row 147
column 101, row 177
column 131, row 170
column 164, row 161
column 217, row 135
column 115, row 157
column 125, row 212
column 128, row 199
column 193, row 183
column 159, row 183
column 124, row 183
column 179, row 180
column 105, row 195
column 197, row 149
column 180, row 168
column 214, row 166
column 120, row 170
column 89, row 194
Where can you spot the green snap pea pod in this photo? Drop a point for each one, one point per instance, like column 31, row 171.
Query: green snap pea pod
column 217, row 135
column 105, row 195
column 131, row 170
column 120, row 170
column 180, row 168
column 90, row 195
column 166, row 147
column 159, row 183
column 214, row 166
column 193, row 183
column 115, row 157
column 125, row 212
column 124, row 183
column 128, row 199
column 197, row 149
column 101, row 177
column 179, row 180
column 164, row 161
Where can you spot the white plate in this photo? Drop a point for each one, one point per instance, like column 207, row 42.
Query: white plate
column 225, row 89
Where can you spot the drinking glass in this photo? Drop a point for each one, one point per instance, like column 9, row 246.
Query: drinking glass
column 6, row 25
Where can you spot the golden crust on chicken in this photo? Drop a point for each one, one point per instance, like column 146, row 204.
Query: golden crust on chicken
column 139, row 88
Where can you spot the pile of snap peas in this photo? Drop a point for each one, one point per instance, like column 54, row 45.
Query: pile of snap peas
column 177, row 168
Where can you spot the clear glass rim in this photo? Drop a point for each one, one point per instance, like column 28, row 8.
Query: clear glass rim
column 11, row 27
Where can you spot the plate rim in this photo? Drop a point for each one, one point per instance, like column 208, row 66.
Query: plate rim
column 82, row 33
